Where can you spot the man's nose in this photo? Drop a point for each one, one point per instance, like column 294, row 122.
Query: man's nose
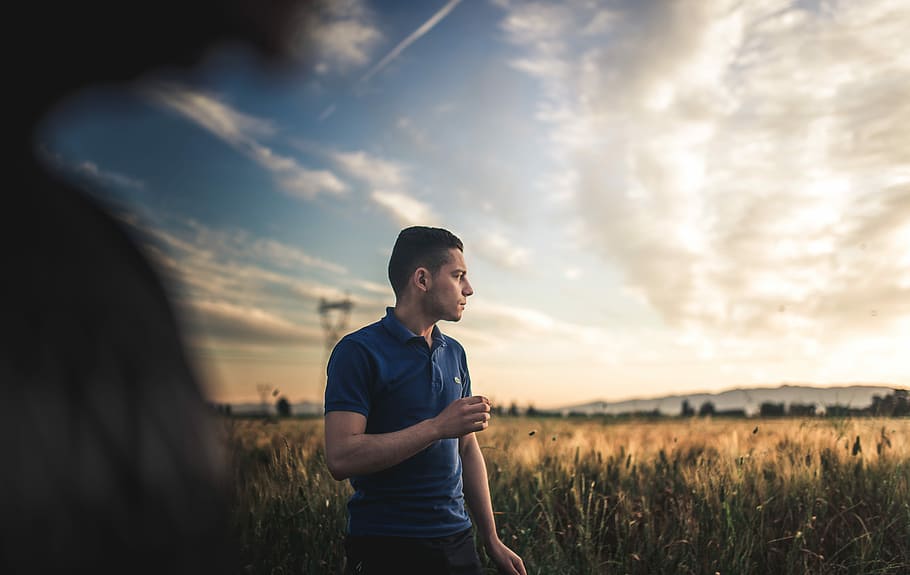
column 468, row 289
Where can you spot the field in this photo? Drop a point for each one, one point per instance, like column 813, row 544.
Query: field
column 587, row 496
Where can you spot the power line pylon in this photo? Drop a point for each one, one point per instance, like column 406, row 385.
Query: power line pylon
column 264, row 389
column 333, row 328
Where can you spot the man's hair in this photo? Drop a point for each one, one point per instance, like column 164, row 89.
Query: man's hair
column 416, row 247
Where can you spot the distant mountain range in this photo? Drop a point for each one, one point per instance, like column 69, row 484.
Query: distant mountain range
column 747, row 399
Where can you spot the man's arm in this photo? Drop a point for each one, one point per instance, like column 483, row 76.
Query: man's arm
column 477, row 496
column 349, row 450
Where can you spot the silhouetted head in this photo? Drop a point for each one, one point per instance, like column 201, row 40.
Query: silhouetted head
column 111, row 458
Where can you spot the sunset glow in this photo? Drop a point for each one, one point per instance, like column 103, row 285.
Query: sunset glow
column 654, row 197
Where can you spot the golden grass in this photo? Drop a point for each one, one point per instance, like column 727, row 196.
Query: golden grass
column 594, row 496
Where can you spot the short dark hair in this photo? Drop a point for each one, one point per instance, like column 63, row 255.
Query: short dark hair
column 419, row 246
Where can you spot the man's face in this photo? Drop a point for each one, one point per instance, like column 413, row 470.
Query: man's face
column 450, row 288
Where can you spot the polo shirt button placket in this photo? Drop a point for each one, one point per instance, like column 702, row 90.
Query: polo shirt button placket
column 435, row 372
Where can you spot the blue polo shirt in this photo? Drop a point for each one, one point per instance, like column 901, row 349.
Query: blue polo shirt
column 392, row 377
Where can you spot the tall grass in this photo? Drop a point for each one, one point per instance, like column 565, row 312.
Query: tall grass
column 289, row 514
column 585, row 496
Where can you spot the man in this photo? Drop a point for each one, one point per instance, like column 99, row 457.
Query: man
column 400, row 423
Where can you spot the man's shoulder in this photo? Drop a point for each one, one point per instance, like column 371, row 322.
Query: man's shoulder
column 454, row 345
column 367, row 335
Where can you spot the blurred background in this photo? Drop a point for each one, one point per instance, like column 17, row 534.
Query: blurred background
column 655, row 197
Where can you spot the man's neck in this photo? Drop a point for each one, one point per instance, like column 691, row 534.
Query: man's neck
column 416, row 321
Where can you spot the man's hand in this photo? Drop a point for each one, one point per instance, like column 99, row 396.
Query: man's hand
column 464, row 416
column 506, row 560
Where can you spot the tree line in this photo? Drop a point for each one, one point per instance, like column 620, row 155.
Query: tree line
column 895, row 404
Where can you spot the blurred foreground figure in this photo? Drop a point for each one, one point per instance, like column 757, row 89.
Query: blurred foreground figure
column 109, row 460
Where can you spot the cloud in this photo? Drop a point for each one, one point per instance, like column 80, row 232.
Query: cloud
column 374, row 171
column 234, row 265
column 243, row 132
column 379, row 289
column 738, row 164
column 496, row 248
column 307, row 184
column 567, row 341
column 228, row 323
column 239, row 289
column 545, row 29
column 290, row 257
column 344, row 43
column 388, row 182
column 343, row 35
column 410, row 39
column 215, row 116
column 417, row 135
column 406, row 210
column 81, row 170
column 106, row 177
column 535, row 23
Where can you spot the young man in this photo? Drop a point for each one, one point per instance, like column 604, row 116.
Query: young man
column 400, row 422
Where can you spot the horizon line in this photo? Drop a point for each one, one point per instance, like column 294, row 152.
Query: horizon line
column 644, row 398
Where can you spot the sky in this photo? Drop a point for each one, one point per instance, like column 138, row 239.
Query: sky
column 655, row 197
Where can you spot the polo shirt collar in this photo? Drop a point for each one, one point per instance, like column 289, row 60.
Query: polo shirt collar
column 403, row 334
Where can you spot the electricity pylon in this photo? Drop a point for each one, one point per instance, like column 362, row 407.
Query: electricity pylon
column 333, row 328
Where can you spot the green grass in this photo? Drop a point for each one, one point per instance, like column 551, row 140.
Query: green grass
column 582, row 496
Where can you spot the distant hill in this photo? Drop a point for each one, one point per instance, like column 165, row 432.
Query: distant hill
column 747, row 399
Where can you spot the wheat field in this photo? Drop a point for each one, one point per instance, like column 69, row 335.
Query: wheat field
column 579, row 496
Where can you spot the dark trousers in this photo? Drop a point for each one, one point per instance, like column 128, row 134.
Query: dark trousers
column 452, row 555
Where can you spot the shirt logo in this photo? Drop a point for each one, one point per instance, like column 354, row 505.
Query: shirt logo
column 457, row 380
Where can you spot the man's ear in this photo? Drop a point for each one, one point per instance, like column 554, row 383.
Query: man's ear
column 422, row 279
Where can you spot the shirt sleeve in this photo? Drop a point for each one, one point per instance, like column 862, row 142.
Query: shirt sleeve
column 349, row 377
